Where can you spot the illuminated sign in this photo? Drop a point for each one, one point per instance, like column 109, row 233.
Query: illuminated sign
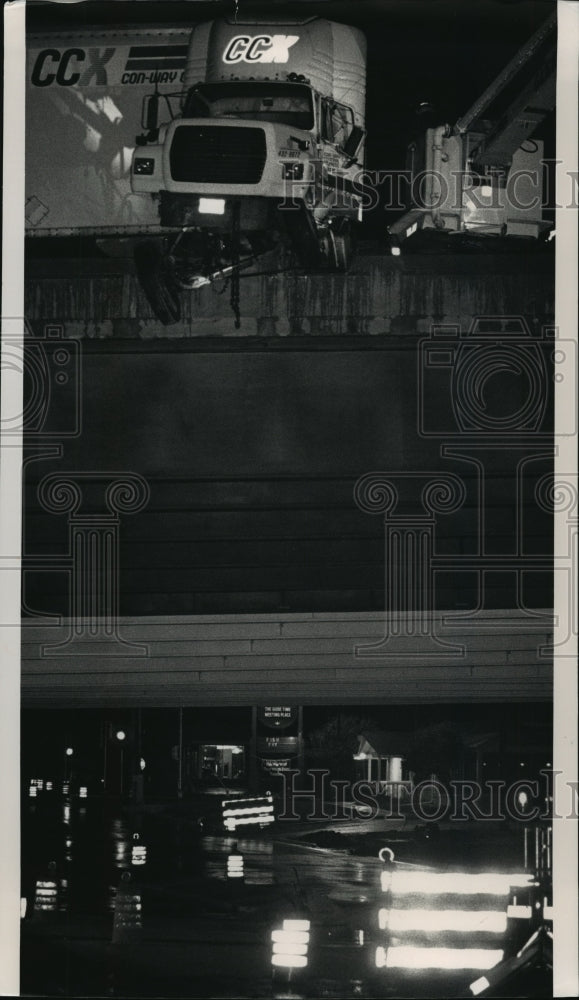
column 277, row 716
column 412, row 957
column 455, row 883
column 435, row 921
column 442, row 914
column 290, row 944
column 235, row 866
column 247, row 812
column 46, row 896
column 139, row 854
column 277, row 744
column 276, row 765
column 259, row 48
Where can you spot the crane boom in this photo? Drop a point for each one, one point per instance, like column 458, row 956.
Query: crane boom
column 528, row 83
column 481, row 174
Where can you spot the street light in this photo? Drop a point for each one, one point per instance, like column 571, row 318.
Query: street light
column 67, row 755
column 121, row 736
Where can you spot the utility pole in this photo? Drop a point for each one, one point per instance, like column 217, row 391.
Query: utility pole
column 301, row 760
column 180, row 758
column 252, row 769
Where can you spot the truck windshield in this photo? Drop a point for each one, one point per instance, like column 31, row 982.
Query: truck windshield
column 284, row 103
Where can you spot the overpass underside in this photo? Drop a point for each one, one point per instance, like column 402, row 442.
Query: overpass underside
column 289, row 659
column 333, row 504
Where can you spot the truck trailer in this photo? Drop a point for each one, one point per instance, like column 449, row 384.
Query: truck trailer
column 262, row 146
column 84, row 95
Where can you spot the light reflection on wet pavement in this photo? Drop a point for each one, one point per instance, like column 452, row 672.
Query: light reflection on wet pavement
column 203, row 935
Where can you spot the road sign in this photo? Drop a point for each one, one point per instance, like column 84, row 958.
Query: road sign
column 277, row 716
column 277, row 744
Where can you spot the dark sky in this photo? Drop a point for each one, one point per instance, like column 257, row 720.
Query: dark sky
column 443, row 50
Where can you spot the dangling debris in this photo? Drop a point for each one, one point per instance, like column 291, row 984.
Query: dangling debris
column 235, row 265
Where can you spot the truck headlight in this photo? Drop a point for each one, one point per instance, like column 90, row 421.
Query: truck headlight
column 293, row 171
column 212, row 206
column 143, row 165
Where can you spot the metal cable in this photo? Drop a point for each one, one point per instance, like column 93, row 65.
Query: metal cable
column 234, row 299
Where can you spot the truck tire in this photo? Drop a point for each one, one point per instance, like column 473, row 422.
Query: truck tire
column 340, row 249
column 304, row 237
column 161, row 290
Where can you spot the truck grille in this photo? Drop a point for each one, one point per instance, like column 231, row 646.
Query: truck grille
column 218, row 154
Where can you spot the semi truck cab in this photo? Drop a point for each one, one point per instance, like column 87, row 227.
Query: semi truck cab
column 244, row 142
column 267, row 142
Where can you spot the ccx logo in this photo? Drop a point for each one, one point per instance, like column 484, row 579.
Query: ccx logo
column 259, row 48
column 70, row 67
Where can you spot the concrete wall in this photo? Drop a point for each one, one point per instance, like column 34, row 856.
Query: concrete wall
column 290, row 659
column 251, row 459
column 249, row 567
column 381, row 295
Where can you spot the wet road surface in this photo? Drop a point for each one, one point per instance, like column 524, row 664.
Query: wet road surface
column 190, row 931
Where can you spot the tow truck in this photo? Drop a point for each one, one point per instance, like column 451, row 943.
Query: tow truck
column 483, row 176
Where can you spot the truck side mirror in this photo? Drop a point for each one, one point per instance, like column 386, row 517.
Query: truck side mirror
column 353, row 142
column 150, row 115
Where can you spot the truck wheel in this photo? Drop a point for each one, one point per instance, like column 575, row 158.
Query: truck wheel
column 161, row 290
column 339, row 249
column 304, row 237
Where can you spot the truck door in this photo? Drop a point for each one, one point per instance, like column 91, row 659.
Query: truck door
column 337, row 123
